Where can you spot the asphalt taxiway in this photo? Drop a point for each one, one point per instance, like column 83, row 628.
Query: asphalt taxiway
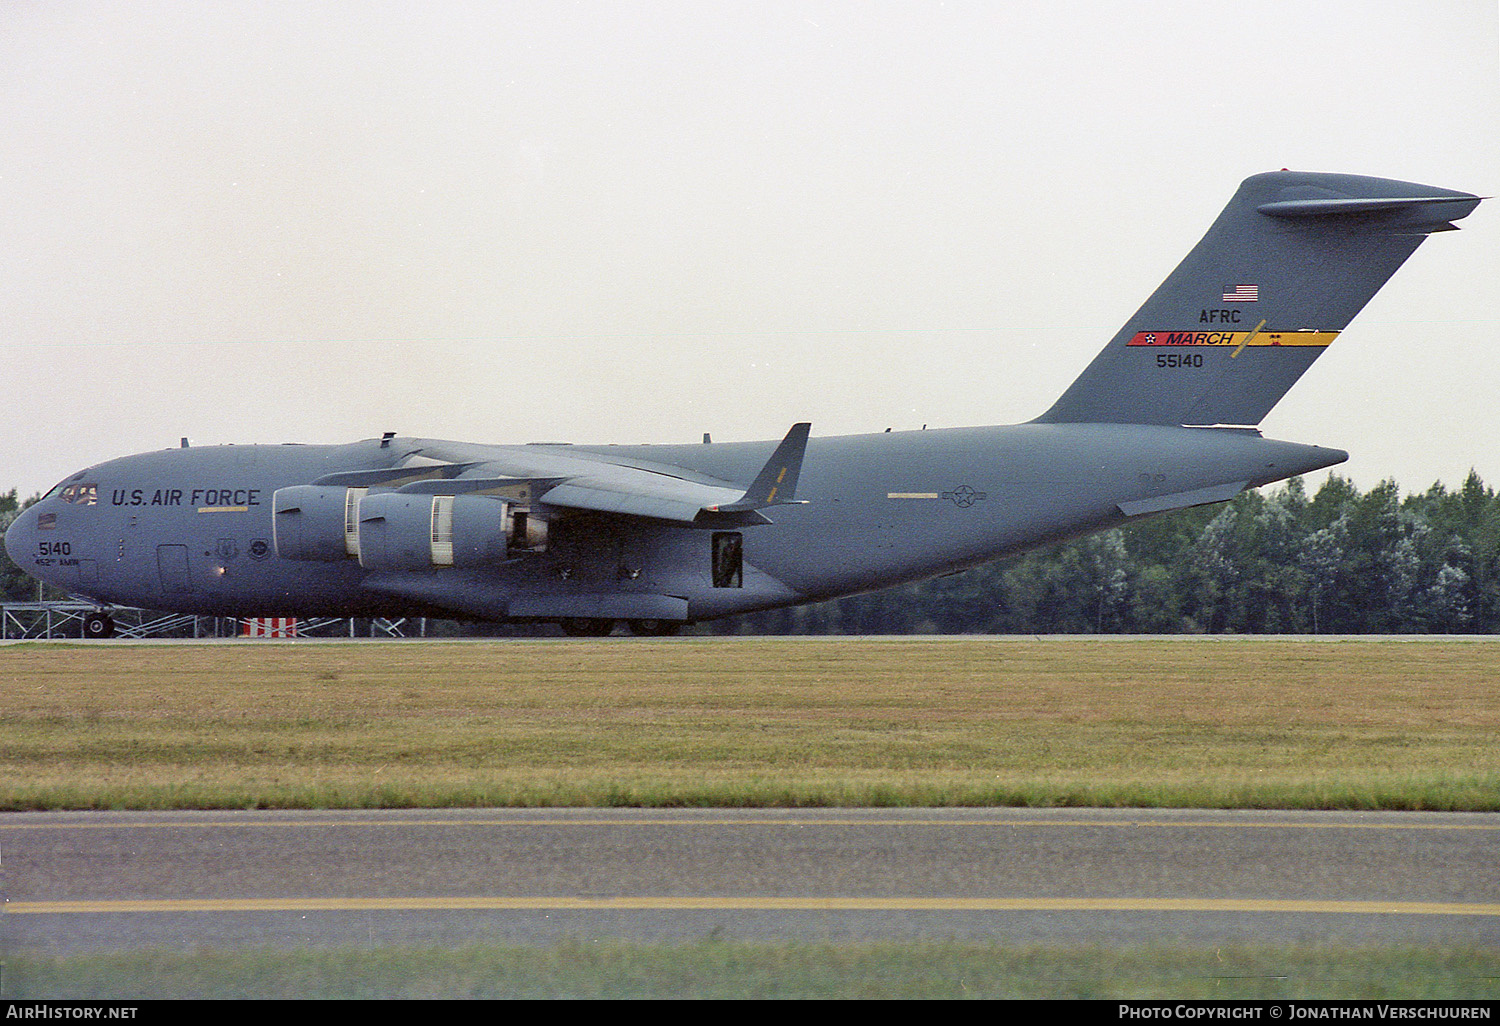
column 111, row 880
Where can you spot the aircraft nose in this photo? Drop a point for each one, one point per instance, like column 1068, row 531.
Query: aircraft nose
column 20, row 537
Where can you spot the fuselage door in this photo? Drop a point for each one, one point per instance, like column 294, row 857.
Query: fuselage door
column 172, row 564
column 728, row 559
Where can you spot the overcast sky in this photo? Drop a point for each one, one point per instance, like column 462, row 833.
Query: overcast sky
column 637, row 222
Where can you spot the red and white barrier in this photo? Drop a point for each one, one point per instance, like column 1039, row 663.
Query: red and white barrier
column 271, row 627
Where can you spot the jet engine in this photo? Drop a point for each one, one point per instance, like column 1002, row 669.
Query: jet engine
column 317, row 522
column 401, row 531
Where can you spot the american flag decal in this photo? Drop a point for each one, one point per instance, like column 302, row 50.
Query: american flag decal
column 1241, row 293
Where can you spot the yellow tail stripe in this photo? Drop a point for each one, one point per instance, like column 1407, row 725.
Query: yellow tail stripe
column 1231, row 339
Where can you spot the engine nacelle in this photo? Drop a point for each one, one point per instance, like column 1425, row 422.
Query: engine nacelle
column 317, row 522
column 398, row 531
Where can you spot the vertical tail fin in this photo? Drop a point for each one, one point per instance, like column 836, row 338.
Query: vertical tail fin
column 1285, row 267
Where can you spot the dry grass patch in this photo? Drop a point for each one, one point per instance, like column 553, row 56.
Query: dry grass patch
column 1276, row 723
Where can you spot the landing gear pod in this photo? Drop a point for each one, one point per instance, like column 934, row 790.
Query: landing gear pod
column 418, row 532
column 317, row 522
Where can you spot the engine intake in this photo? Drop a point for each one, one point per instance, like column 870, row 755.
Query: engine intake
column 317, row 522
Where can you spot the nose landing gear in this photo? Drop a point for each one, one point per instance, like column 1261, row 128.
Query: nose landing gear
column 98, row 625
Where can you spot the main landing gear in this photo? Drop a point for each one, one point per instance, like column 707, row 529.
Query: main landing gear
column 586, row 627
column 654, row 628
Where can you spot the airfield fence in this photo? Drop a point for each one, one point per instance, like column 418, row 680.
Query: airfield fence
column 39, row 621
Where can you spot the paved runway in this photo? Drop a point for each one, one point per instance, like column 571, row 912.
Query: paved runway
column 75, row 881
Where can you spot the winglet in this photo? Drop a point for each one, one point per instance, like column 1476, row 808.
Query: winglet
column 776, row 484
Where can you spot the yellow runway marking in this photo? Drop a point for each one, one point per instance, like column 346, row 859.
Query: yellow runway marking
column 655, row 903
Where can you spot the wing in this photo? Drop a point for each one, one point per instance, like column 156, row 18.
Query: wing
column 640, row 493
column 634, row 491
column 587, row 483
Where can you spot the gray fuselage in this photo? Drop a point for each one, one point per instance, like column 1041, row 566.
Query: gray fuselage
column 191, row 529
column 663, row 535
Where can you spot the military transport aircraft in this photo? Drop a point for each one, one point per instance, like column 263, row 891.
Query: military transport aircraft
column 659, row 536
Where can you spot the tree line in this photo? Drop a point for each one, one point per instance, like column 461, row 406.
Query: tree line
column 1272, row 561
column 15, row 585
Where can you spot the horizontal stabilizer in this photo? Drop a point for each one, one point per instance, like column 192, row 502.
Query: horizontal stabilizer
column 1437, row 211
column 1182, row 500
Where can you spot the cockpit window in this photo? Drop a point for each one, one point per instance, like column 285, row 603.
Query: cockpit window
column 79, row 494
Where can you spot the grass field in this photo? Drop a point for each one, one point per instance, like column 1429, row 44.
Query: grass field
column 1263, row 723
column 735, row 969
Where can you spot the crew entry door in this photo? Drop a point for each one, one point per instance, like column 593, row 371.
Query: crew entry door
column 172, row 564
